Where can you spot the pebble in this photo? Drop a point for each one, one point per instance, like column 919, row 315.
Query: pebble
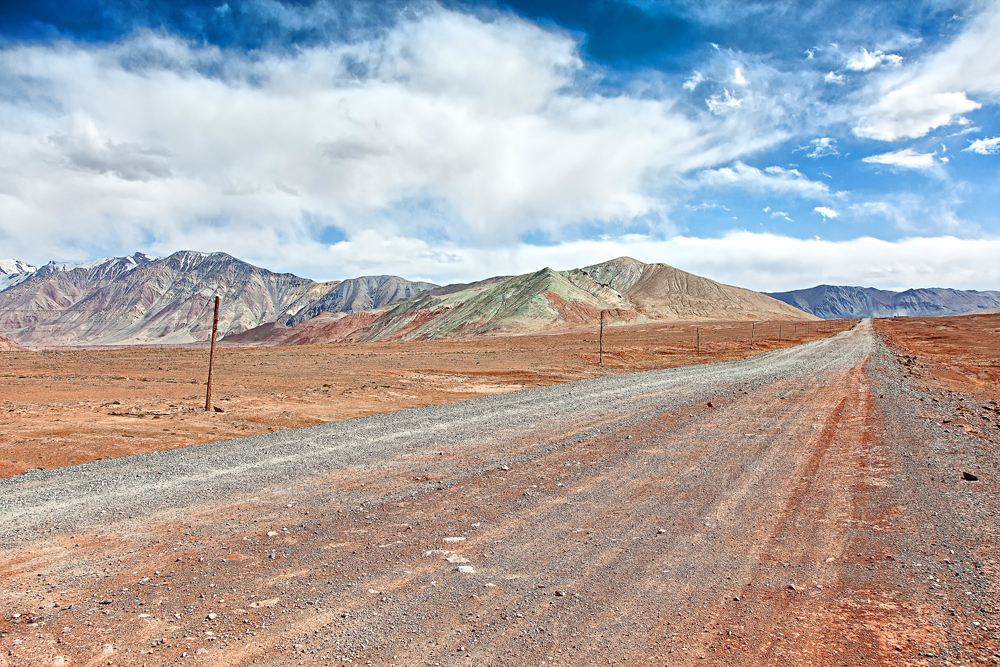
column 273, row 533
column 454, row 539
column 457, row 558
column 466, row 569
column 107, row 649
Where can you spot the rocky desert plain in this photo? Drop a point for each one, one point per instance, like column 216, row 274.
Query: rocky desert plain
column 829, row 498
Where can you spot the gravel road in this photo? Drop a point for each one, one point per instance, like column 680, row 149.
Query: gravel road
column 777, row 510
column 239, row 469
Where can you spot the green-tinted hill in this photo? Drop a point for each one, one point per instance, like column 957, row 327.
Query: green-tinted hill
column 546, row 300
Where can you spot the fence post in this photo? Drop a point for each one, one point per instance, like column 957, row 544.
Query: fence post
column 697, row 331
column 779, row 334
column 752, row 326
column 211, row 357
column 600, row 354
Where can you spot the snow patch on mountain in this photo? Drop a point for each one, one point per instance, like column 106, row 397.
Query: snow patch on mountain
column 13, row 272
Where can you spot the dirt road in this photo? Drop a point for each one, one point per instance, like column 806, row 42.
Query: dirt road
column 791, row 508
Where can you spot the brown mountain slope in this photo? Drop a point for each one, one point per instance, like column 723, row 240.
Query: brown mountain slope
column 7, row 345
column 625, row 289
column 660, row 291
column 142, row 300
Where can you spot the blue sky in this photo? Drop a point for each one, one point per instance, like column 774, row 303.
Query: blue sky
column 771, row 145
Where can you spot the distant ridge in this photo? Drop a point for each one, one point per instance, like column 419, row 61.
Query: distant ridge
column 628, row 290
column 836, row 302
column 144, row 300
column 7, row 345
column 358, row 295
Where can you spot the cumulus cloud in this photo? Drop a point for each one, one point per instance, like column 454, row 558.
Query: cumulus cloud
column 760, row 261
column 772, row 179
column 723, row 103
column 906, row 158
column 916, row 99
column 693, row 81
column 822, row 147
column 833, row 77
column 864, row 60
column 986, row 146
column 445, row 125
column 827, row 212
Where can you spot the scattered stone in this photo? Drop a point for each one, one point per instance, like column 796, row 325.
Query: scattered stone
column 107, row 649
column 793, row 587
column 560, row 594
column 265, row 603
column 454, row 539
column 272, row 533
column 661, row 531
column 457, row 558
column 58, row 661
column 437, row 552
column 710, row 404
column 969, row 477
column 466, row 569
column 213, row 616
column 218, row 409
column 201, row 651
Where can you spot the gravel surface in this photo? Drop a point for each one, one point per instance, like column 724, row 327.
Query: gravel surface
column 238, row 469
column 800, row 507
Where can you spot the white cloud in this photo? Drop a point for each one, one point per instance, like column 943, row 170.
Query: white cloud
column 913, row 100
column 865, row 61
column 915, row 214
column 822, row 147
column 827, row 212
column 771, row 179
column 906, row 158
column 692, row 82
column 723, row 103
column 766, row 262
column 986, row 146
column 475, row 130
column 833, row 77
column 738, row 77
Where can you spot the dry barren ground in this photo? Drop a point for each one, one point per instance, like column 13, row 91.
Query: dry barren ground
column 62, row 407
column 794, row 508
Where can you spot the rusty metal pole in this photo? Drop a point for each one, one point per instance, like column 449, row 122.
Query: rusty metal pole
column 779, row 334
column 600, row 354
column 698, row 333
column 211, row 357
column 753, row 325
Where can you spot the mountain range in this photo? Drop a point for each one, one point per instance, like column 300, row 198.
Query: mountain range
column 835, row 302
column 625, row 289
column 141, row 300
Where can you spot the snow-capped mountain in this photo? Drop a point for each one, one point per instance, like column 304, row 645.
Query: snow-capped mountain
column 14, row 271
column 140, row 299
